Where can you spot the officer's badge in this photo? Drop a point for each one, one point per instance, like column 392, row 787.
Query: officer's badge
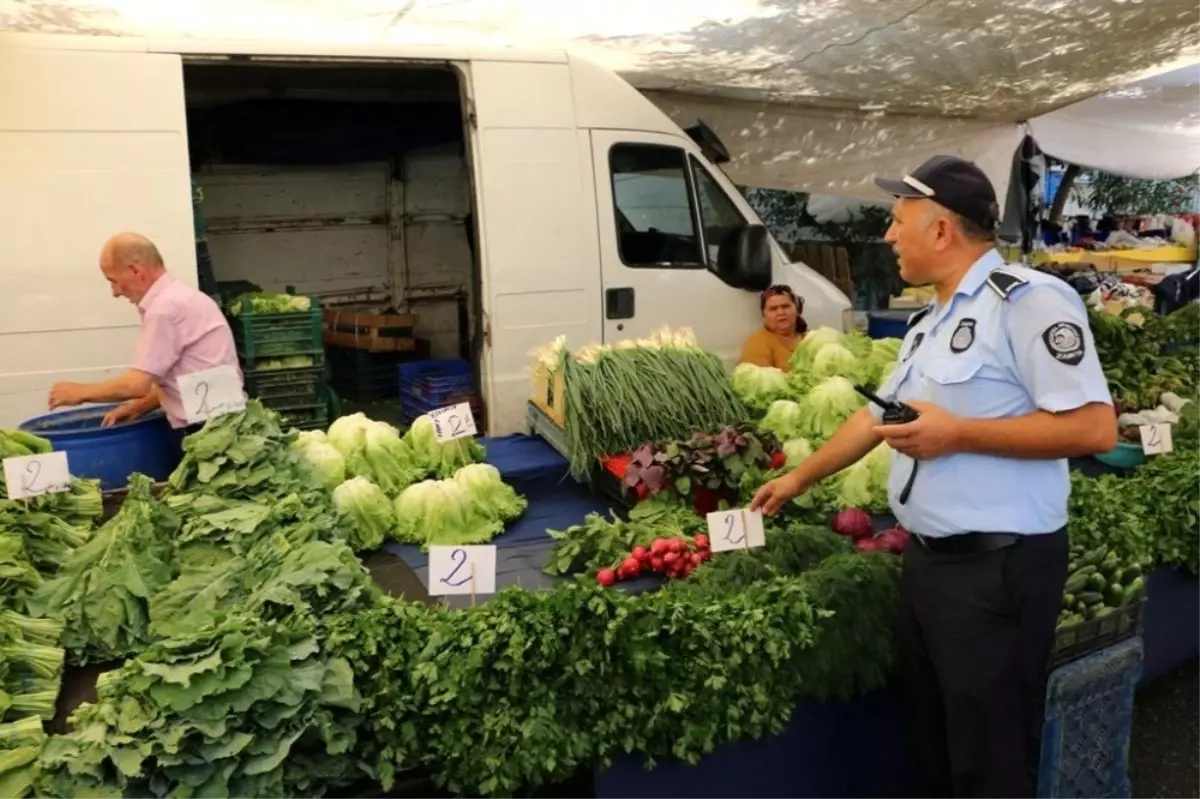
column 1065, row 342
column 917, row 339
column 964, row 336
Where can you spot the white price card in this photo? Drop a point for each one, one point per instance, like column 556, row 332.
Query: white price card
column 34, row 475
column 454, row 421
column 211, row 393
column 735, row 529
column 1156, row 438
column 462, row 570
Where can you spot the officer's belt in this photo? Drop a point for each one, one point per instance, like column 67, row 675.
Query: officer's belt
column 968, row 542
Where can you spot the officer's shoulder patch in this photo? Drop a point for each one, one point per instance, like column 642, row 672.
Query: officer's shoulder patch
column 1065, row 342
column 1004, row 283
column 917, row 316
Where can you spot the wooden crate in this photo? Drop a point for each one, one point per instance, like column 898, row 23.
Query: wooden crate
column 369, row 329
column 827, row 260
column 550, row 394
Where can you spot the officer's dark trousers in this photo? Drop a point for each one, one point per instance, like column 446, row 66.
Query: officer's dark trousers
column 975, row 632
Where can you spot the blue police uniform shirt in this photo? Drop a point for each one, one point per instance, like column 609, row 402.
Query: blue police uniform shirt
column 986, row 357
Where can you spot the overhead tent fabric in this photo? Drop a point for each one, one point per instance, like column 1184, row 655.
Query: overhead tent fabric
column 816, row 95
column 1150, row 129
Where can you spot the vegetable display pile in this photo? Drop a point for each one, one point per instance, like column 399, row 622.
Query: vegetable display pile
column 469, row 508
column 1142, row 354
column 31, row 667
column 500, row 698
column 1099, row 583
column 710, row 460
column 655, row 389
column 102, row 592
column 265, row 302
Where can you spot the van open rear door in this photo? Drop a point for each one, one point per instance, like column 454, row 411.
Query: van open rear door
column 93, row 141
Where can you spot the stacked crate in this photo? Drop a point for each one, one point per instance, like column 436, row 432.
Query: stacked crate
column 365, row 345
column 428, row 385
column 284, row 364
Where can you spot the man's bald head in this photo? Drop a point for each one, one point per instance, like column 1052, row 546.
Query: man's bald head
column 131, row 263
column 132, row 249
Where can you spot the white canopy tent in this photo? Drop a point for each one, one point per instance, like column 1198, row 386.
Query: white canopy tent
column 816, row 95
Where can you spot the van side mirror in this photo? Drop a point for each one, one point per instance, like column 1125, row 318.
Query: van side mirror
column 744, row 258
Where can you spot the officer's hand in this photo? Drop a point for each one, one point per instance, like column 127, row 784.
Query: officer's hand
column 775, row 494
column 933, row 435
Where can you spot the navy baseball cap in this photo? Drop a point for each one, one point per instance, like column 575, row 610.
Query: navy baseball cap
column 952, row 183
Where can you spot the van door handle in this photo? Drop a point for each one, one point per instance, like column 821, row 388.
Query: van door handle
column 618, row 303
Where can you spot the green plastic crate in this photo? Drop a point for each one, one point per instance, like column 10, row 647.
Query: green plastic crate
column 259, row 336
column 287, row 387
column 314, row 417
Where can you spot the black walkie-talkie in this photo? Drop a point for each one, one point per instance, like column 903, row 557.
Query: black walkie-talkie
column 896, row 413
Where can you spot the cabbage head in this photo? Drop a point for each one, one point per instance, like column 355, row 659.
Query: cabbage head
column 348, row 434
column 834, row 360
column 758, row 386
column 783, row 419
column 442, row 513
column 371, row 515
column 495, row 498
column 827, row 406
column 813, row 342
column 435, row 459
column 796, row 450
column 320, row 459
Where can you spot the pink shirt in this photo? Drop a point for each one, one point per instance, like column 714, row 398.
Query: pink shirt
column 183, row 331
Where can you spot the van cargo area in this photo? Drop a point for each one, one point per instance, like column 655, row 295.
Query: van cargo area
column 343, row 182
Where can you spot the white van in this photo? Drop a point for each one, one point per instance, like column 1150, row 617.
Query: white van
column 505, row 197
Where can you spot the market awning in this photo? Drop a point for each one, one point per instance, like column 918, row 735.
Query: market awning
column 811, row 94
column 1150, row 129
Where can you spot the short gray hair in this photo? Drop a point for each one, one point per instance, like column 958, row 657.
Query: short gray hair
column 134, row 248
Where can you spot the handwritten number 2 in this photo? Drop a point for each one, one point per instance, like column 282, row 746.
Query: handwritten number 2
column 455, row 425
column 459, row 556
column 202, row 392
column 1154, row 439
column 729, row 525
column 33, row 471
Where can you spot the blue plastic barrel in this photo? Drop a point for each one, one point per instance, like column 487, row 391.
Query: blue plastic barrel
column 110, row 454
column 888, row 324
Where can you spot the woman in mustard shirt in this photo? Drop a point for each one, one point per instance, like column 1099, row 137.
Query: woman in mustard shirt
column 783, row 327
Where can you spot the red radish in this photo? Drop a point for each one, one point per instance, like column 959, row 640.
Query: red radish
column 606, row 577
column 670, row 558
column 867, row 544
column 676, row 545
column 657, row 564
column 853, row 522
column 701, row 541
column 632, row 566
column 641, row 553
column 687, row 569
column 659, row 547
column 893, row 540
column 697, row 558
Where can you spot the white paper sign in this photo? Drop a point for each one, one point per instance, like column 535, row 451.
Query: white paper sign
column 211, row 393
column 1156, row 438
column 455, row 421
column 462, row 570
column 735, row 529
column 34, row 475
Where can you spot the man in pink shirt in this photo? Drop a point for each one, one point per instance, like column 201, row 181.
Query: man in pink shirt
column 183, row 331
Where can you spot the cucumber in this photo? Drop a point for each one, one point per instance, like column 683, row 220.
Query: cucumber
column 1083, row 571
column 1135, row 590
column 1103, row 612
column 1129, row 574
column 1114, row 596
column 1068, row 600
column 1091, row 598
column 1076, row 583
column 1096, row 582
column 1095, row 557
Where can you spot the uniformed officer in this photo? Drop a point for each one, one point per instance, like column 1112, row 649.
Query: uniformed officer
column 1003, row 372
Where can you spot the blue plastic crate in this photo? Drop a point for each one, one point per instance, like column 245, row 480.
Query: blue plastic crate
column 435, row 381
column 1089, row 716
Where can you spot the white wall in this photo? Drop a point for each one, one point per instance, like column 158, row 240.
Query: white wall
column 347, row 232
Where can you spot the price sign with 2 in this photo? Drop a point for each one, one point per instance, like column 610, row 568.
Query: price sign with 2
column 735, row 529
column 211, row 393
column 1156, row 438
column 454, row 421
column 462, row 570
column 34, row 475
